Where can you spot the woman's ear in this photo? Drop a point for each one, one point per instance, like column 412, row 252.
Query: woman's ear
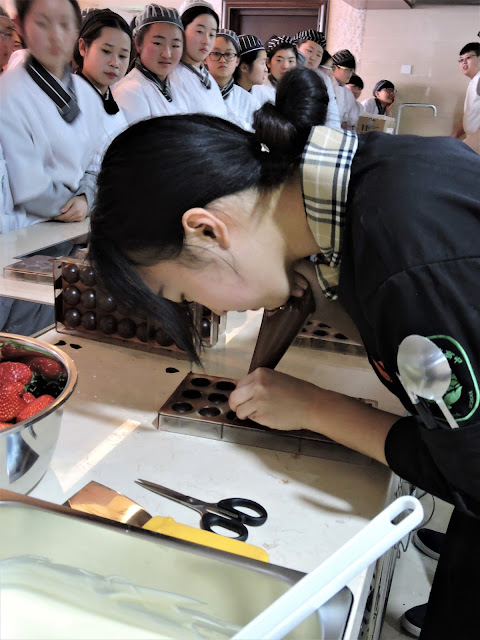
column 203, row 226
column 243, row 67
column 82, row 47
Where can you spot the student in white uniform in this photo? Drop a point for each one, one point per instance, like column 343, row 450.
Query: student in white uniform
column 147, row 90
column 50, row 120
column 222, row 62
column 6, row 203
column 7, row 32
column 282, row 55
column 383, row 99
column 252, row 71
column 312, row 44
column 102, row 55
column 343, row 68
column 470, row 66
column 200, row 22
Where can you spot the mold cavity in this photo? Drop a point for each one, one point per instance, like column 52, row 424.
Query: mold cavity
column 192, row 394
column 171, row 370
column 200, row 382
column 182, row 407
column 340, row 336
column 217, row 398
column 224, row 385
column 304, row 331
column 231, row 415
column 209, row 412
column 309, row 323
column 323, row 325
column 319, row 332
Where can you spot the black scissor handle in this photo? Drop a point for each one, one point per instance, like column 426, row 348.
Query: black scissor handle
column 210, row 520
column 229, row 504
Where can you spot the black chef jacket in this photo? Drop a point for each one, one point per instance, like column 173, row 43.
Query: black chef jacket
column 411, row 265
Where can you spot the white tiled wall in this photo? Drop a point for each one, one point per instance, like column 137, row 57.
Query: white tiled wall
column 428, row 38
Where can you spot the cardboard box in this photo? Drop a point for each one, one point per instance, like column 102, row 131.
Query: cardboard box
column 373, row 122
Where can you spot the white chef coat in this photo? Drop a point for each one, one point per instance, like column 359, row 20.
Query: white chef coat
column 263, row 93
column 333, row 117
column 240, row 107
column 200, row 99
column 370, row 106
column 139, row 98
column 471, row 110
column 48, row 160
column 6, row 202
column 347, row 106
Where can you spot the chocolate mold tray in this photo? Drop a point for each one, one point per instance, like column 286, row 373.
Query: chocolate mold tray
column 82, row 308
column 319, row 335
column 199, row 407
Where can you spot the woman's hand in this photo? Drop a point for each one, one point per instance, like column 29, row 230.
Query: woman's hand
column 278, row 401
column 74, row 210
column 275, row 400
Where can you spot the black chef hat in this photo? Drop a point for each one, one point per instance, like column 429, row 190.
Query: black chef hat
column 383, row 84
column 250, row 43
column 344, row 58
column 314, row 36
column 276, row 43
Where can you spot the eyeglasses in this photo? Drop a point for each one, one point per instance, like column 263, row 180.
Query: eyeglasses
column 216, row 56
column 388, row 90
column 339, row 66
column 465, row 58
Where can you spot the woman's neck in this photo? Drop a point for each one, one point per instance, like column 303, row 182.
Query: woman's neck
column 100, row 88
column 245, row 84
column 186, row 58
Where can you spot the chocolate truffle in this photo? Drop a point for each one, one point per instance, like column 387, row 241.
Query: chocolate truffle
column 107, row 325
column 72, row 318
column 126, row 328
column 87, row 276
column 88, row 299
column 70, row 273
column 89, row 320
column 105, row 302
column 142, row 332
column 71, row 295
column 162, row 338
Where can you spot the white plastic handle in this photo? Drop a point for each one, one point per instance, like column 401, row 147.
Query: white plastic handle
column 448, row 416
column 318, row 586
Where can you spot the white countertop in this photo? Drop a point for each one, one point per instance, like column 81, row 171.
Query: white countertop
column 108, row 435
column 27, row 240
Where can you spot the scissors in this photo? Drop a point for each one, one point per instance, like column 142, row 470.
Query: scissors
column 216, row 514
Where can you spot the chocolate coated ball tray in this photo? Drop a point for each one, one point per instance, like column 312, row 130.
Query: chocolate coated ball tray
column 199, row 407
column 82, row 308
column 319, row 335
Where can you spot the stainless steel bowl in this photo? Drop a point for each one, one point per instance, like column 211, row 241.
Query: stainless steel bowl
column 27, row 447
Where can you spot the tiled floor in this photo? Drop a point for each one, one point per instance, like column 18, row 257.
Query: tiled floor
column 413, row 574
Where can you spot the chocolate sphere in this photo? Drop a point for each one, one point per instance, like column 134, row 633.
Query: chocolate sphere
column 89, row 320
column 87, row 298
column 205, row 330
column 142, row 332
column 126, row 328
column 105, row 302
column 70, row 273
column 71, row 295
column 107, row 325
column 162, row 338
column 72, row 318
column 87, row 276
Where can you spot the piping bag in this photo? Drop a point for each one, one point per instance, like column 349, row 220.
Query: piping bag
column 279, row 329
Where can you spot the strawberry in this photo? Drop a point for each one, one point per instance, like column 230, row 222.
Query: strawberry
column 5, row 425
column 14, row 372
column 11, row 402
column 12, row 351
column 48, row 367
column 28, row 397
column 34, row 407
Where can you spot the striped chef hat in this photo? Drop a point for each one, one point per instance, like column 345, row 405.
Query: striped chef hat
column 280, row 42
column 250, row 43
column 190, row 4
column 344, row 58
column 230, row 35
column 155, row 13
column 314, row 36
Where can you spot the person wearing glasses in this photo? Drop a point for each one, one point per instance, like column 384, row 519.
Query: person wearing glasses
column 7, row 31
column 343, row 69
column 222, row 62
column 469, row 62
column 383, row 99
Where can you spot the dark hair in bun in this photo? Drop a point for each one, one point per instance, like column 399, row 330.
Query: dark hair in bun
column 141, row 200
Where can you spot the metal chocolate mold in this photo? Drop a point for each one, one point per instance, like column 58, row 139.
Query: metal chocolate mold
column 319, row 335
column 199, row 407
